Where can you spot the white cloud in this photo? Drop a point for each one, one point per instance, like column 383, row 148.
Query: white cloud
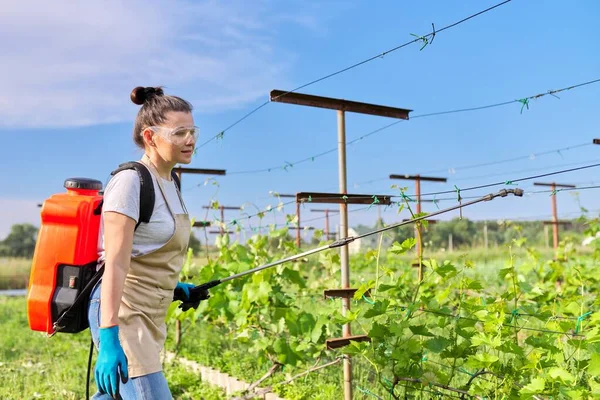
column 17, row 211
column 68, row 63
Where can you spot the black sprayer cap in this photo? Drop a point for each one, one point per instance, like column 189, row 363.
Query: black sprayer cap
column 83, row 183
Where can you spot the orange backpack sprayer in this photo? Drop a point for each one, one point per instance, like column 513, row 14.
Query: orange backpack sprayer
column 65, row 255
column 64, row 269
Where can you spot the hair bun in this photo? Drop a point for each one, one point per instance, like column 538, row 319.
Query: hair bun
column 141, row 94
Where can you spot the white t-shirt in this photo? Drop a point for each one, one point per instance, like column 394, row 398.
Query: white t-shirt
column 122, row 195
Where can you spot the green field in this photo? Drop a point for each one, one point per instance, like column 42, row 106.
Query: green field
column 33, row 366
column 514, row 322
column 14, row 273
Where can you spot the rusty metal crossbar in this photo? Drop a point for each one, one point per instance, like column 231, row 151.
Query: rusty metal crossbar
column 336, row 343
column 343, row 293
column 343, row 198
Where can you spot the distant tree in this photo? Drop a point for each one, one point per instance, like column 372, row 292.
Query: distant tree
column 195, row 244
column 274, row 243
column 20, row 242
column 404, row 232
column 463, row 233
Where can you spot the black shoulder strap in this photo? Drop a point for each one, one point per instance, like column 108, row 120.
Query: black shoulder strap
column 146, row 189
column 176, row 180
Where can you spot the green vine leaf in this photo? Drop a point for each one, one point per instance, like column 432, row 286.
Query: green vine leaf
column 379, row 308
column 438, row 344
column 594, row 365
column 562, row 375
column 420, row 330
column 406, row 245
column 363, row 289
column 446, row 270
column 536, row 386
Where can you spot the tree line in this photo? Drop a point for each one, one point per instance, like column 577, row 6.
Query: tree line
column 464, row 233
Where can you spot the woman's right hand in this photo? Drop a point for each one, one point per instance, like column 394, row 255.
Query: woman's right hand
column 111, row 362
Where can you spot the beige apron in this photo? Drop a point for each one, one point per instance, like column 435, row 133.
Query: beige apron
column 147, row 294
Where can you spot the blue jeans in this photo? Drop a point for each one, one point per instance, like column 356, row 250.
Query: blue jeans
column 147, row 387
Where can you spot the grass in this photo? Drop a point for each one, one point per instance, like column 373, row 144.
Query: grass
column 14, row 273
column 211, row 346
column 33, row 366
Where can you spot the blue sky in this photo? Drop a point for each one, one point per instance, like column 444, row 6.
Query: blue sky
column 68, row 70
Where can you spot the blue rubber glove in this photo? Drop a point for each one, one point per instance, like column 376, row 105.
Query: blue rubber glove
column 111, row 362
column 189, row 295
column 182, row 291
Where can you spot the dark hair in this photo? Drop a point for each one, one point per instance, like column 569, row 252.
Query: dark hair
column 155, row 105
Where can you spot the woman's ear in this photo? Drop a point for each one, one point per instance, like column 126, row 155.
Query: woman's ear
column 148, row 136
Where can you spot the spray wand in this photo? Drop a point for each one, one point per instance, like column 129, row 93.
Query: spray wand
column 200, row 292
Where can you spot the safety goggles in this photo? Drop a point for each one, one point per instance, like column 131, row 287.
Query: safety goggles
column 177, row 136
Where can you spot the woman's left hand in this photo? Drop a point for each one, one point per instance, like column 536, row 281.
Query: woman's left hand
column 189, row 299
column 182, row 291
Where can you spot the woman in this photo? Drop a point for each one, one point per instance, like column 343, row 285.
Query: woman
column 141, row 266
